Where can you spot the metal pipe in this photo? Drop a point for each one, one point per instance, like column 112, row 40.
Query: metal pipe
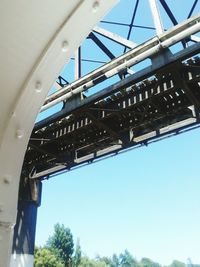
column 127, row 60
column 98, row 72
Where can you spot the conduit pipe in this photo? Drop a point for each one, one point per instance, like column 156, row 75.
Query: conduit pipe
column 136, row 55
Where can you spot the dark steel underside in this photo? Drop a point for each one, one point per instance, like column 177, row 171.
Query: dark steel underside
column 160, row 100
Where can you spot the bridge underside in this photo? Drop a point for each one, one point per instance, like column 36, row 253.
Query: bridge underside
column 38, row 39
column 160, row 100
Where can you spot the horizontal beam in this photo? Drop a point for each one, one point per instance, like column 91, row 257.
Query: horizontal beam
column 166, row 132
column 138, row 54
column 152, row 108
column 138, row 76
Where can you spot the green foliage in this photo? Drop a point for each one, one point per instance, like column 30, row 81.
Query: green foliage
column 145, row 262
column 176, row 263
column 45, row 258
column 127, row 260
column 86, row 262
column 105, row 260
column 60, row 248
column 61, row 244
column 123, row 260
column 115, row 261
column 77, row 256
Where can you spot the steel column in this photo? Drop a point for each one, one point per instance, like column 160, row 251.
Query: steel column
column 24, row 231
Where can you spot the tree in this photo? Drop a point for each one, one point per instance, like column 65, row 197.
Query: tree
column 61, row 244
column 45, row 258
column 77, row 255
column 127, row 260
column 146, row 262
column 87, row 262
column 104, row 260
column 115, row 261
column 176, row 263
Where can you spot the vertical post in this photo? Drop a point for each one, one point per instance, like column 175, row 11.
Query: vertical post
column 24, row 230
column 156, row 16
column 78, row 63
column 77, row 71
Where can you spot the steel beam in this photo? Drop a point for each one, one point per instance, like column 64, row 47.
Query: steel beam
column 146, row 110
column 141, row 52
column 114, row 37
column 132, row 21
column 25, row 228
column 78, row 64
column 100, row 44
column 138, row 76
column 192, row 9
column 127, row 25
column 169, row 12
column 156, row 17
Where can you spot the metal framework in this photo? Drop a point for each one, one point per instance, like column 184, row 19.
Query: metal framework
column 144, row 105
column 157, row 101
column 135, row 89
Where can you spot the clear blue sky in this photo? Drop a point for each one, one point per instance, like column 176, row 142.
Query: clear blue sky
column 146, row 200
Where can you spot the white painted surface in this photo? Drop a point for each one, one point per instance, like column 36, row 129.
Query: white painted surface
column 156, row 17
column 24, row 260
column 37, row 38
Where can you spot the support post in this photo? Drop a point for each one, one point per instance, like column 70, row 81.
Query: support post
column 156, row 16
column 78, row 64
column 24, row 230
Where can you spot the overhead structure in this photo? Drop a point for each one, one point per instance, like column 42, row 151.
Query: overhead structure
column 147, row 93
column 37, row 39
column 130, row 85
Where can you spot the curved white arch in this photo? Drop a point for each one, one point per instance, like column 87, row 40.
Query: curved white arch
column 37, row 37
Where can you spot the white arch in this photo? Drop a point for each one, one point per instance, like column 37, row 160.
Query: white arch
column 37, row 37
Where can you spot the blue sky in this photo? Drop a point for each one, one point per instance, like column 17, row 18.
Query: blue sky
column 146, row 200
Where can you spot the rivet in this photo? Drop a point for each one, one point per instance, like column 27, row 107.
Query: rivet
column 1, row 208
column 19, row 133
column 65, row 46
column 7, row 180
column 38, row 86
column 95, row 6
column 13, row 114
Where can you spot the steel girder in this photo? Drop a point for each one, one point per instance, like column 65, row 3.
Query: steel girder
column 157, row 101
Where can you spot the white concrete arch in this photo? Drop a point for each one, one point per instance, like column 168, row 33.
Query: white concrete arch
column 37, row 38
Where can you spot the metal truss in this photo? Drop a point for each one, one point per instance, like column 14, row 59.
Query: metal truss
column 127, row 60
column 157, row 101
column 112, row 42
column 140, row 93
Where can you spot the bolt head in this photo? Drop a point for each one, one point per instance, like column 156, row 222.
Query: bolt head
column 65, row 46
column 95, row 6
column 1, row 207
column 19, row 133
column 6, row 180
column 38, row 86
